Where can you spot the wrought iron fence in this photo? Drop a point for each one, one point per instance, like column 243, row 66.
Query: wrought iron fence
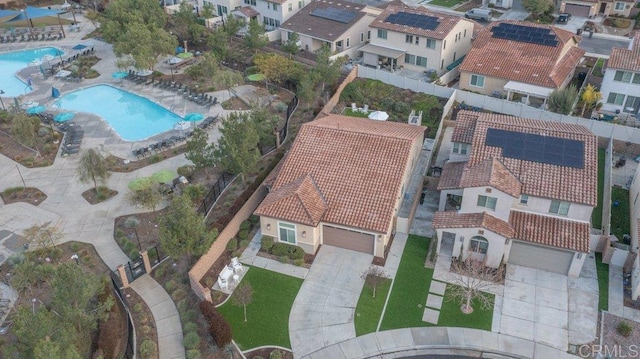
column 291, row 107
column 215, row 192
column 130, row 348
column 155, row 256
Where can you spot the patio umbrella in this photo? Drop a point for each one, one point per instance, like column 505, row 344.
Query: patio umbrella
column 192, row 117
column 64, row 116
column 185, row 55
column 175, row 60
column 119, row 75
column 256, row 77
column 144, row 73
column 36, row 109
column 164, row 176
column 140, row 183
column 379, row 115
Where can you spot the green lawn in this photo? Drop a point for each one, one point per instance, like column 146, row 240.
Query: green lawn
column 620, row 224
column 268, row 313
column 603, row 282
column 410, row 289
column 369, row 309
column 350, row 112
column 445, row 3
column 596, row 215
column 452, row 316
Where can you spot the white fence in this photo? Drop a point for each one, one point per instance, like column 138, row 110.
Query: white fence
column 599, row 128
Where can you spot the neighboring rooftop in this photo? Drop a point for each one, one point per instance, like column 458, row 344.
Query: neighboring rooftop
column 326, row 20
column 539, row 178
column 524, row 56
column 416, row 21
column 626, row 59
column 357, row 166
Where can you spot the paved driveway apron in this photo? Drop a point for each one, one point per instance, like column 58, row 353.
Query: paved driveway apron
column 323, row 311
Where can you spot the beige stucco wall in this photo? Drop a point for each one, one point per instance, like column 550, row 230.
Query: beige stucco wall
column 490, row 84
column 307, row 237
column 495, row 252
column 470, row 202
column 595, row 8
column 540, row 205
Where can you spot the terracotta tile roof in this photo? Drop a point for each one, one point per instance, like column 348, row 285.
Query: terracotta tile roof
column 305, row 23
column 357, row 164
column 550, row 231
column 534, row 64
column 577, row 185
column 465, row 127
column 625, row 59
column 491, row 172
column 248, row 11
column 453, row 219
column 447, row 22
column 300, row 201
column 451, row 175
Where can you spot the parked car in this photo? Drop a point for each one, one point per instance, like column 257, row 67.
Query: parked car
column 478, row 14
column 563, row 18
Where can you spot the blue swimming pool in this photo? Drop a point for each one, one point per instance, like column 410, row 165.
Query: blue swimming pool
column 133, row 117
column 13, row 62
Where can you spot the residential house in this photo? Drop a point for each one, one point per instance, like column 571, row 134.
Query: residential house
column 341, row 184
column 417, row 39
column 271, row 13
column 621, row 83
column 531, row 60
column 343, row 26
column 634, row 248
column 518, row 191
column 503, row 4
column 592, row 8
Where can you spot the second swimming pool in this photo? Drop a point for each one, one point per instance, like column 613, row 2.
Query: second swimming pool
column 133, row 117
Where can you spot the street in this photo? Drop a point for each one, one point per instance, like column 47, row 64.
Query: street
column 601, row 46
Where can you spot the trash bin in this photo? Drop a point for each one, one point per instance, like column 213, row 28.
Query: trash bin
column 579, row 31
column 590, row 33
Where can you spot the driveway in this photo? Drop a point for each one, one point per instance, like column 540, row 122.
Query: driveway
column 323, row 311
column 536, row 306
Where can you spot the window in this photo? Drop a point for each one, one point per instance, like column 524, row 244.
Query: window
column 421, row 61
column 623, row 76
column 417, row 40
column 479, row 245
column 454, row 56
column 300, row 4
column 348, row 42
column 369, row 35
column 476, row 81
column 465, row 32
column 290, row 7
column 636, row 199
column 487, row 202
column 382, row 34
column 339, row 45
column 524, row 199
column 409, row 59
column 632, row 104
column 615, row 98
column 222, row 10
column 619, row 6
column 287, row 232
column 636, row 79
column 275, row 6
column 441, row 64
column 250, row 2
column 559, row 207
column 408, row 39
column 444, row 44
column 431, row 43
column 271, row 22
column 460, row 148
column 361, row 37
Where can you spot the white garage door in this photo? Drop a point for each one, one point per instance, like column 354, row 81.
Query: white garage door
column 577, row 10
column 549, row 259
column 357, row 241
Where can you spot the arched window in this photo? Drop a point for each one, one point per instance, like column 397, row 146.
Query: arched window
column 479, row 245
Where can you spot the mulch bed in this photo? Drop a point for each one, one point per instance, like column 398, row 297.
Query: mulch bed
column 92, row 196
column 30, row 195
column 142, row 319
column 117, row 164
column 23, row 155
column 266, row 352
column 147, row 231
column 611, row 337
column 235, row 103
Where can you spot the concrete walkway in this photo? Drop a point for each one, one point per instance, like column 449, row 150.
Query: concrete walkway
column 250, row 257
column 323, row 311
column 409, row 342
column 616, row 296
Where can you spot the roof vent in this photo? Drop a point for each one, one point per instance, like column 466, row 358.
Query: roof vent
column 535, row 75
column 516, row 71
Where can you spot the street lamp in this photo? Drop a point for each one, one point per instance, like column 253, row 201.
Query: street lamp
column 2, row 102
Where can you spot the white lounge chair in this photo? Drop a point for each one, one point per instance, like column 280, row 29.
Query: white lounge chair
column 224, row 277
column 365, row 109
column 354, row 108
column 236, row 265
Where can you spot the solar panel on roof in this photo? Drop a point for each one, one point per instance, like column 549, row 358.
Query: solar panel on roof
column 537, row 148
column 334, row 14
column 414, row 20
column 528, row 34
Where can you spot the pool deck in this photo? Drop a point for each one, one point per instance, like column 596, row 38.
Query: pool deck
column 98, row 134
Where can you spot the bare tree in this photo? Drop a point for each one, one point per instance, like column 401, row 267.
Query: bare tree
column 373, row 277
column 242, row 296
column 472, row 280
column 44, row 235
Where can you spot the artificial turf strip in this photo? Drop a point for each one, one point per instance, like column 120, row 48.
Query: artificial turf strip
column 452, row 316
column 603, row 283
column 268, row 314
column 369, row 309
column 410, row 288
column 620, row 224
column 596, row 215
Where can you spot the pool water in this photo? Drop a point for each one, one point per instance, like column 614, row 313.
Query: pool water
column 133, row 117
column 13, row 62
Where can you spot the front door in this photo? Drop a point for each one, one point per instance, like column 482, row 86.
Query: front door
column 603, row 7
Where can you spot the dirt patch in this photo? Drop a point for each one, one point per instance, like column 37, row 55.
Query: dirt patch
column 142, row 320
column 98, row 195
column 146, row 232
column 612, row 339
column 235, row 104
column 30, row 195
column 266, row 353
column 40, row 157
column 117, row 164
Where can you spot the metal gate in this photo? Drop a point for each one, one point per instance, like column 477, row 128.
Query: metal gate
column 135, row 269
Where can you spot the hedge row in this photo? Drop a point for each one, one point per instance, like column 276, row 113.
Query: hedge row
column 219, row 328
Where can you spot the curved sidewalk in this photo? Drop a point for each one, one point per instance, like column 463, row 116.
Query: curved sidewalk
column 437, row 340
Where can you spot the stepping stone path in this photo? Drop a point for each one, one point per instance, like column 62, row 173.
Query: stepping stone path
column 434, row 302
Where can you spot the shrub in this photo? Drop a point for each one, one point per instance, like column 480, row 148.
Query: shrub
column 189, row 315
column 266, row 244
column 220, row 330
column 154, row 159
column 170, row 285
column 137, row 308
column 276, row 354
column 134, row 254
column 245, row 225
column 299, row 262
column 191, row 340
column 624, row 329
column 190, row 327
column 280, row 249
column 208, row 310
column 253, row 219
column 131, row 222
column 128, row 246
column 243, row 234
column 194, row 354
column 283, row 259
column 296, row 252
column 186, row 170
column 232, row 245
column 244, row 244
column 148, row 349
